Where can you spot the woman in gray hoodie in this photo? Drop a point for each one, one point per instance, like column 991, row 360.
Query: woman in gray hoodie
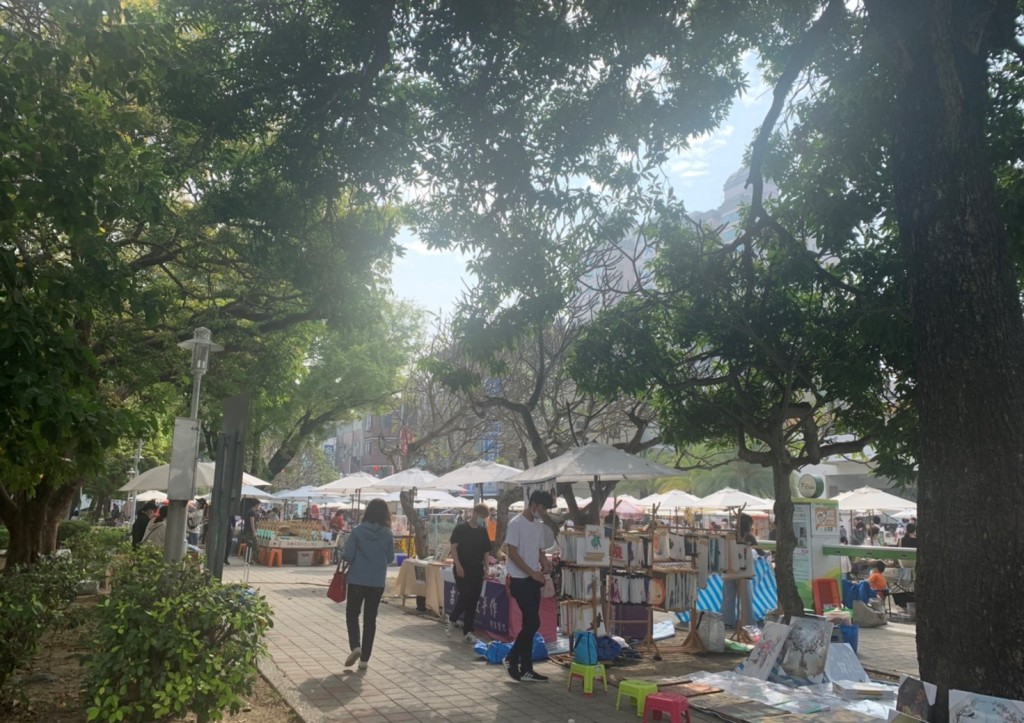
column 369, row 550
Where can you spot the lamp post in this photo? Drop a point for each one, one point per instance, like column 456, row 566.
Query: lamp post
column 177, row 511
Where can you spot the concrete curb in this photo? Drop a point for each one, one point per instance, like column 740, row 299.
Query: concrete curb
column 291, row 694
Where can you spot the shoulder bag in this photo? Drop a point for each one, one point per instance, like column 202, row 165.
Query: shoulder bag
column 338, row 589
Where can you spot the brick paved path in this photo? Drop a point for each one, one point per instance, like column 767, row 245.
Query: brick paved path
column 418, row 674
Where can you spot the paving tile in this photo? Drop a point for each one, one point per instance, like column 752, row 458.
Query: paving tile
column 418, row 674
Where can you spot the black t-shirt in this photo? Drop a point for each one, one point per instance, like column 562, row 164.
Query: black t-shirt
column 473, row 544
column 250, row 523
column 139, row 528
column 908, row 541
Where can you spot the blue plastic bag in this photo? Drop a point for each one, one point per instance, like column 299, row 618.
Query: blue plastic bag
column 607, row 648
column 497, row 652
column 540, row 648
column 585, row 648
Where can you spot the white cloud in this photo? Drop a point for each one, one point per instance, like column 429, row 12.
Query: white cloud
column 693, row 162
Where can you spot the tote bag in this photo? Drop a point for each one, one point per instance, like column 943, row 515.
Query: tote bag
column 338, row 589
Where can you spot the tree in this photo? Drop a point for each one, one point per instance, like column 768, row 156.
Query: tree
column 753, row 348
column 164, row 227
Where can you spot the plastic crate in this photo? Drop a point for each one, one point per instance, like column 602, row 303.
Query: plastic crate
column 304, row 558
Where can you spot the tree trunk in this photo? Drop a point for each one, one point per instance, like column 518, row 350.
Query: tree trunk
column 32, row 521
column 969, row 347
column 506, row 498
column 419, row 528
column 785, row 543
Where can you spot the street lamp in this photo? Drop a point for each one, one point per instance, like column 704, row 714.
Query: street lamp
column 201, row 345
column 184, row 452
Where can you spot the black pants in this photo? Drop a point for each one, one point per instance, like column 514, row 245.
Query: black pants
column 526, row 593
column 362, row 598
column 468, row 587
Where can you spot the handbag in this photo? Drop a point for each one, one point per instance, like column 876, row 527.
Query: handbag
column 338, row 589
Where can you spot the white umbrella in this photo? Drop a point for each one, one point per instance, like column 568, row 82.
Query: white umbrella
column 905, row 514
column 256, row 493
column 594, row 462
column 157, row 478
column 310, row 494
column 150, row 495
column 869, row 498
column 421, row 479
column 672, row 500
column 479, row 472
column 350, row 483
column 729, row 497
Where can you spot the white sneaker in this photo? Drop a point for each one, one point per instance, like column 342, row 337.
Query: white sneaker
column 364, row 664
column 449, row 625
column 469, row 638
column 353, row 657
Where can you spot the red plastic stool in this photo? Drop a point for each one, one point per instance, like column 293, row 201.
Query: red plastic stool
column 274, row 557
column 825, row 591
column 675, row 704
column 241, row 549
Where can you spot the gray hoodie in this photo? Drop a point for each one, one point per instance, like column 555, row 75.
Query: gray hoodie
column 369, row 550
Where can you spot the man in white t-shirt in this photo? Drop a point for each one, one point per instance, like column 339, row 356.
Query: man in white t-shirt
column 526, row 565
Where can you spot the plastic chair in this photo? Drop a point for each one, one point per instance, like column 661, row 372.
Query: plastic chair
column 675, row 704
column 826, row 592
column 636, row 689
column 587, row 673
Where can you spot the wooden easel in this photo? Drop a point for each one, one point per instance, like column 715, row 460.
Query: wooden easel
column 740, row 634
column 693, row 644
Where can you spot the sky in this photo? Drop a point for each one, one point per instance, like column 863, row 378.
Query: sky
column 434, row 279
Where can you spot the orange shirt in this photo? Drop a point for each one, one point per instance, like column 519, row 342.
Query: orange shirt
column 492, row 528
column 877, row 581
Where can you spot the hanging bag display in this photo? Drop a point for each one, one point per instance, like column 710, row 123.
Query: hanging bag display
column 338, row 589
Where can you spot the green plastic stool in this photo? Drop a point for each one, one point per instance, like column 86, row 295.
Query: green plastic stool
column 588, row 673
column 636, row 689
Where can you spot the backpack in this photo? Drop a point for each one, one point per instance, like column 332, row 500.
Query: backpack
column 585, row 648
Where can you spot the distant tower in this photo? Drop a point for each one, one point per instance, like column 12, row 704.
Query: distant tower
column 736, row 196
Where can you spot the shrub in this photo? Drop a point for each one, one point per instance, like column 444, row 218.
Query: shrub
column 69, row 531
column 171, row 640
column 5, row 538
column 94, row 550
column 32, row 599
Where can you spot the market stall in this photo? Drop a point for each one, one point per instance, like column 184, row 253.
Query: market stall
column 293, row 542
column 497, row 613
column 421, row 579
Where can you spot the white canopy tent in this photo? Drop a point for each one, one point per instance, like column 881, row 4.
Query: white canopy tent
column 247, row 491
column 672, row 500
column 158, row 477
column 362, row 482
column 478, row 472
column 414, row 477
column 870, row 498
column 728, row 497
column 594, row 462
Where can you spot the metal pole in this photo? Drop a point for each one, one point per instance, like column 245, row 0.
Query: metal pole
column 197, row 381
column 177, row 510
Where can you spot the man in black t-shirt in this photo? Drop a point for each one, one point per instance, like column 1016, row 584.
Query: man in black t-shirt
column 249, row 528
column 470, row 545
column 142, row 518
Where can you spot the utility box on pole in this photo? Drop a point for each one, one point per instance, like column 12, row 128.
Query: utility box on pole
column 181, row 485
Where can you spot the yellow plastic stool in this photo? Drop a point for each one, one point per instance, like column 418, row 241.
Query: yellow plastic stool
column 588, row 673
column 636, row 689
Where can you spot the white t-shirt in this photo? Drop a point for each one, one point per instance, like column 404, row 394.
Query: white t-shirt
column 528, row 539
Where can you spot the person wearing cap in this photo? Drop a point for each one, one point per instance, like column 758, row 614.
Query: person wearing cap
column 142, row 522
column 526, row 564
